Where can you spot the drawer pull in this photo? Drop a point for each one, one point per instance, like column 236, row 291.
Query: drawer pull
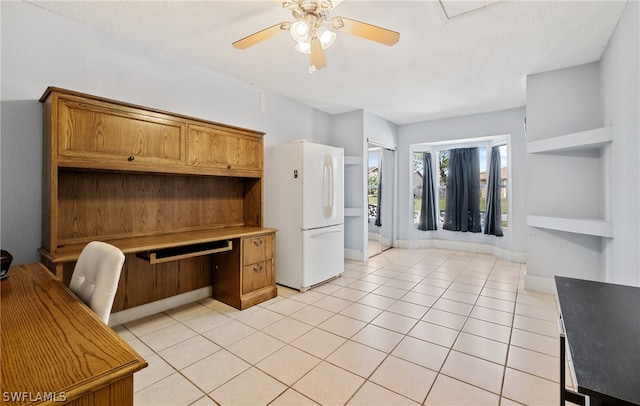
column 131, row 158
column 258, row 268
column 258, row 242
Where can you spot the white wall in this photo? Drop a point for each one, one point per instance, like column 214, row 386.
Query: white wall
column 477, row 125
column 561, row 102
column 41, row 49
column 379, row 130
column 605, row 93
column 620, row 88
column 348, row 133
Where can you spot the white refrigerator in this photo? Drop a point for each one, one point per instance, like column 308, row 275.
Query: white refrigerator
column 304, row 201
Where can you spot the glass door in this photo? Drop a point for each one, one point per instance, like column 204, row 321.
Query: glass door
column 373, row 187
column 385, row 203
column 380, row 187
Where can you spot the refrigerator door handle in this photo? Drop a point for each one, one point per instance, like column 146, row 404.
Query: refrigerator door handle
column 331, row 189
column 322, row 233
column 327, row 186
column 325, row 181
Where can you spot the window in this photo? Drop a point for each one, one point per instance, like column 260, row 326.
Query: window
column 440, row 153
column 443, row 171
column 418, row 172
column 504, row 174
column 373, row 182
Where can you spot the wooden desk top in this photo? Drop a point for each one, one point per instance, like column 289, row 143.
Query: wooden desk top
column 52, row 344
column 169, row 240
column 602, row 326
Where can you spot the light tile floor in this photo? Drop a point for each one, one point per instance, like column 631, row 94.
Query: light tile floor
column 424, row 326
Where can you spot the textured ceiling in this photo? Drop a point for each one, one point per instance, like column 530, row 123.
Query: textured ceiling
column 453, row 57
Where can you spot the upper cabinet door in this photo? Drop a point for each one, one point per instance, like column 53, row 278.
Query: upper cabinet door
column 218, row 148
column 117, row 137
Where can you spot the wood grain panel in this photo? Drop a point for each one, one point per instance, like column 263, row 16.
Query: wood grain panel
column 257, row 249
column 217, row 147
column 252, row 284
column 144, row 179
column 52, row 342
column 119, row 302
column 195, row 273
column 140, row 282
column 226, row 268
column 107, row 132
column 253, row 206
column 257, row 276
column 118, row 393
column 49, row 180
column 102, row 205
column 166, row 279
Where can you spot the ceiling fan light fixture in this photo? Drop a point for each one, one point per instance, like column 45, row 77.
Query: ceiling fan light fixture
column 314, row 32
column 337, row 23
column 303, row 47
column 290, row 5
column 299, row 31
column 327, row 37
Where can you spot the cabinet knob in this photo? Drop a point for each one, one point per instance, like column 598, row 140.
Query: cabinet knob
column 258, row 242
column 229, row 166
column 131, row 158
column 257, row 268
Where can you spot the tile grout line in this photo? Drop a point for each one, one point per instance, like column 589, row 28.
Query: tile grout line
column 404, row 335
column 456, row 339
column 506, row 360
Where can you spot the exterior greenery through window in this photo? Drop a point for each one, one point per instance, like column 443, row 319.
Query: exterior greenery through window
column 441, row 161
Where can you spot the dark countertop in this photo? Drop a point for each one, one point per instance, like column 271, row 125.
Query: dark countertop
column 602, row 326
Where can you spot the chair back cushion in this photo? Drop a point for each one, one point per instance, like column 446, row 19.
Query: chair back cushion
column 96, row 275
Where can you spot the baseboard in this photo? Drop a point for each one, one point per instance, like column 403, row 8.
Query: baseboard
column 158, row 306
column 540, row 284
column 513, row 256
column 414, row 244
column 354, row 255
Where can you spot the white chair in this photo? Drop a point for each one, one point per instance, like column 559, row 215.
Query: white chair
column 96, row 275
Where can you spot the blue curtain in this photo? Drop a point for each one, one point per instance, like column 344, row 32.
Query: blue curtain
column 462, row 207
column 493, row 212
column 428, row 209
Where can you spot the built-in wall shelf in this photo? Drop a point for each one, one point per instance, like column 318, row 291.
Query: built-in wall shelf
column 353, row 160
column 353, row 212
column 585, row 140
column 595, row 227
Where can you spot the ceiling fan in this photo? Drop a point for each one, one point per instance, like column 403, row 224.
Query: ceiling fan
column 310, row 30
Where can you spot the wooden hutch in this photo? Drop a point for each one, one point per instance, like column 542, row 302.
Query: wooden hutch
column 181, row 197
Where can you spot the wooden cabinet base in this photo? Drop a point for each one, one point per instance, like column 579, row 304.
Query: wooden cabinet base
column 117, row 393
column 247, row 300
column 245, row 275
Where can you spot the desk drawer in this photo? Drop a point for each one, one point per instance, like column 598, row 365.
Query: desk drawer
column 257, row 276
column 257, row 249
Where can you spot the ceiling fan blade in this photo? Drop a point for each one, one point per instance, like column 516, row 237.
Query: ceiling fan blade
column 364, row 30
column 317, row 54
column 260, row 36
